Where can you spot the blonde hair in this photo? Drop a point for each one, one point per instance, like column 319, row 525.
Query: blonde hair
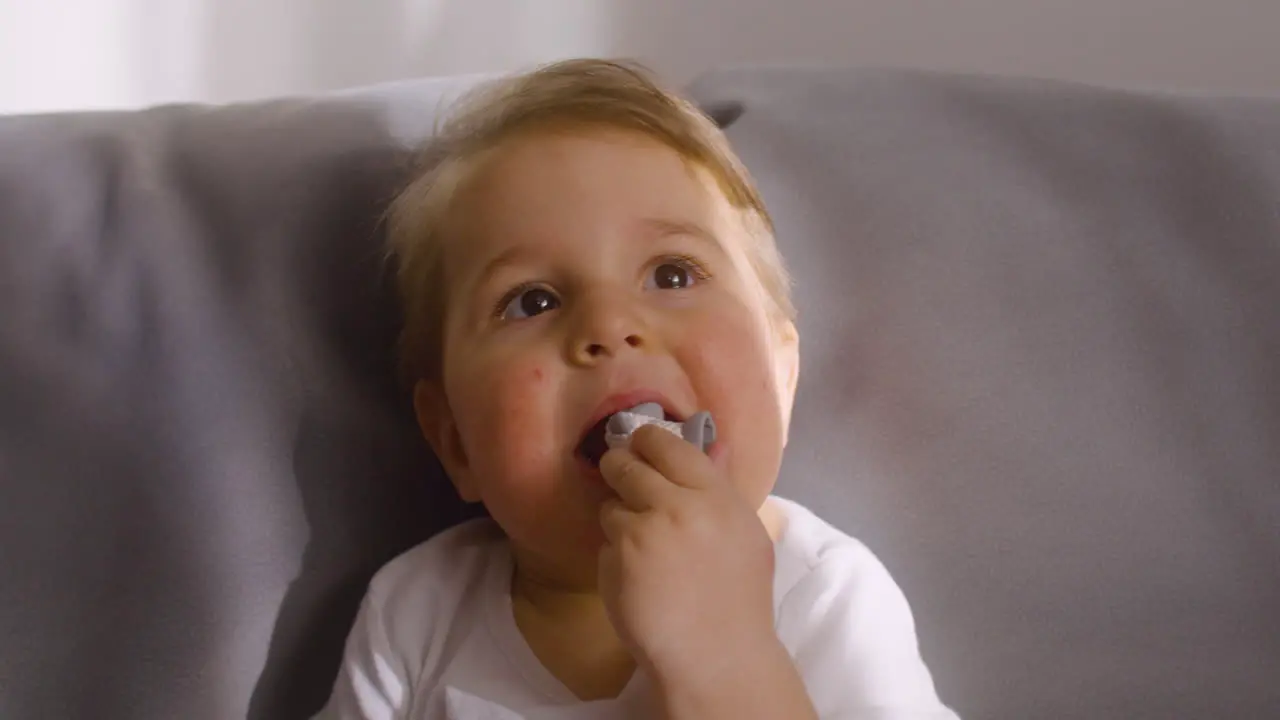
column 587, row 92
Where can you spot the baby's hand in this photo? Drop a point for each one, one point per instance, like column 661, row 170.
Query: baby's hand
column 687, row 570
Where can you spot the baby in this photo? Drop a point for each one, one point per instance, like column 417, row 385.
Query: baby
column 581, row 242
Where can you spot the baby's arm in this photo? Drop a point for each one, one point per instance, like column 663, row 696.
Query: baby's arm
column 850, row 630
column 753, row 683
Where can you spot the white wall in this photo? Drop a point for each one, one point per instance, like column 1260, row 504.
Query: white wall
column 58, row 54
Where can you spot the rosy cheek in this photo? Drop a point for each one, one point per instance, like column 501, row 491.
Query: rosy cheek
column 511, row 430
column 731, row 350
column 730, row 364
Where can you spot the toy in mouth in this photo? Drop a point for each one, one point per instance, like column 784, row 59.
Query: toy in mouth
column 615, row 430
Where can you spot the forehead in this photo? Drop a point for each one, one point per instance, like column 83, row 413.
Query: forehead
column 549, row 191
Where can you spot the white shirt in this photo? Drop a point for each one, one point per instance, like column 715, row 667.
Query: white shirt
column 435, row 638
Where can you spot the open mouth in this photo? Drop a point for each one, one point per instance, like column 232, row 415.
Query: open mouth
column 592, row 447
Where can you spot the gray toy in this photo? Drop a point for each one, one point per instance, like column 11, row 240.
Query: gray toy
column 699, row 429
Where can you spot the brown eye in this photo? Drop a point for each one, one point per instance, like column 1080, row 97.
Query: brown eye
column 529, row 303
column 675, row 272
column 672, row 276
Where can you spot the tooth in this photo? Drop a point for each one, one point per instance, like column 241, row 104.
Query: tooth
column 653, row 410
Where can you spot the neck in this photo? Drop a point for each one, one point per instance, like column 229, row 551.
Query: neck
column 552, row 599
column 564, row 622
column 569, row 631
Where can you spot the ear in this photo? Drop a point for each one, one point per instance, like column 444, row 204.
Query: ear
column 786, row 349
column 435, row 420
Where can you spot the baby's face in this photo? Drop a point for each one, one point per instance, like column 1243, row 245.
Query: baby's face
column 589, row 273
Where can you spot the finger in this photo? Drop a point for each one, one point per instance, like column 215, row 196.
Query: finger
column 636, row 482
column 676, row 459
column 615, row 518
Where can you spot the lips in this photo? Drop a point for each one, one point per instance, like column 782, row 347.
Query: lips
column 591, row 445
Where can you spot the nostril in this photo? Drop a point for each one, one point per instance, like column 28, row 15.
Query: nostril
column 633, row 340
column 595, row 349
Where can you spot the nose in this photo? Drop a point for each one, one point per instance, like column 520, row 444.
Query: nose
column 604, row 327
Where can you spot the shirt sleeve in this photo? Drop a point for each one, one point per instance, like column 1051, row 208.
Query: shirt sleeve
column 849, row 629
column 373, row 682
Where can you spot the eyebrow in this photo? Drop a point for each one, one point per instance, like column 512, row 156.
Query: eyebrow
column 656, row 227
column 663, row 227
column 503, row 259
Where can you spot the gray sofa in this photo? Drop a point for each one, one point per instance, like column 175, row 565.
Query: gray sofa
column 1041, row 379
